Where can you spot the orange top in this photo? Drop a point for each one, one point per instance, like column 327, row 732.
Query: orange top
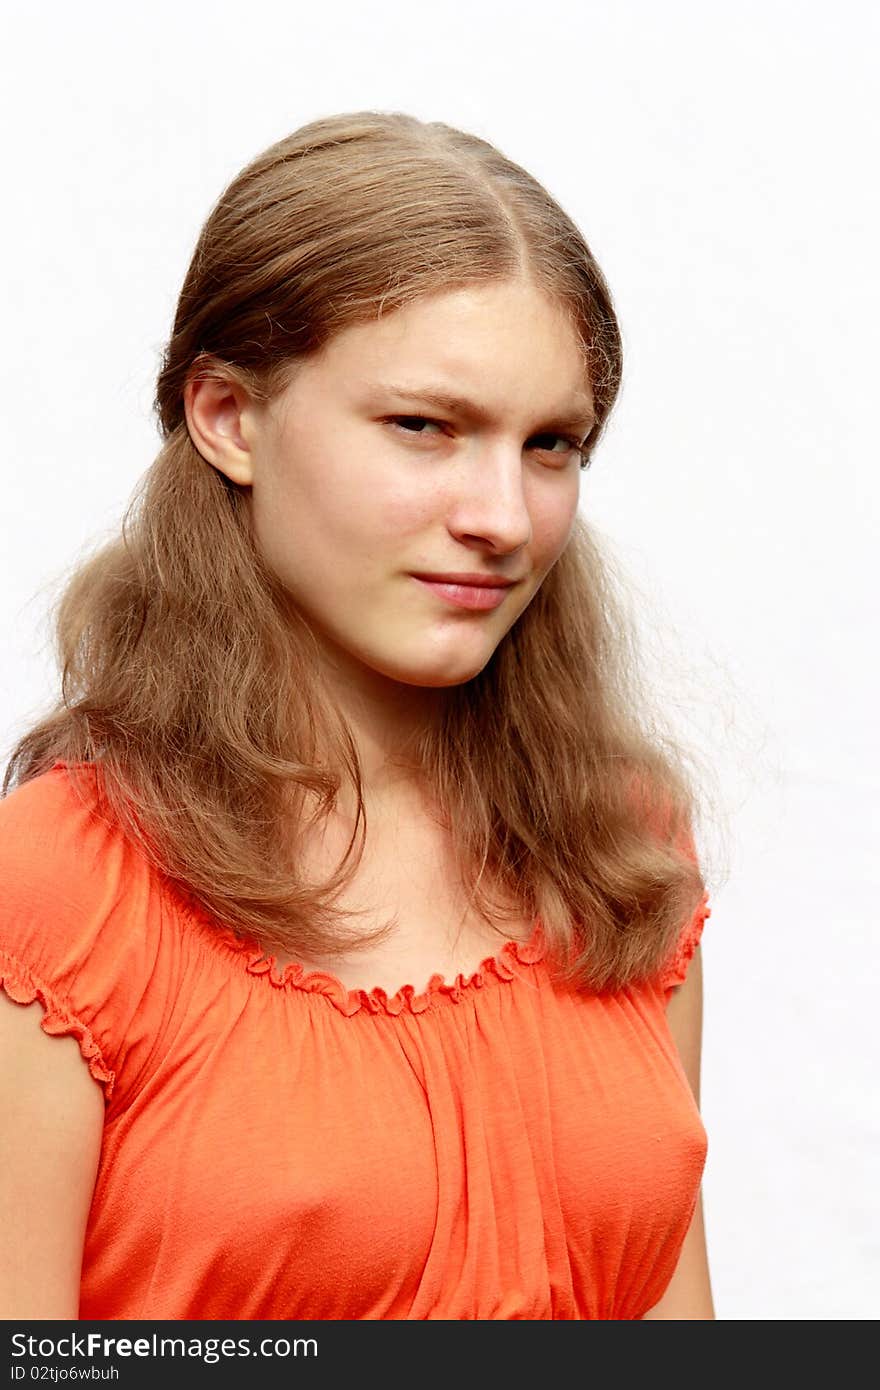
column 285, row 1148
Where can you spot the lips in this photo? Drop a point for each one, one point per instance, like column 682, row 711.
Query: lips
column 481, row 596
column 472, row 581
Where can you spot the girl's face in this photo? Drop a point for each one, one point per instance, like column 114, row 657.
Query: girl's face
column 361, row 481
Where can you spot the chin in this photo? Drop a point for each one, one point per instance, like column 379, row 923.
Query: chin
column 444, row 682
column 418, row 660
column 440, row 676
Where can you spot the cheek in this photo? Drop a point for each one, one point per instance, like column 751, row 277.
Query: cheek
column 335, row 504
column 352, row 478
column 404, row 511
column 553, row 513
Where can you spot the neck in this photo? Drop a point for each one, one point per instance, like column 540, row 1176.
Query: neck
column 386, row 718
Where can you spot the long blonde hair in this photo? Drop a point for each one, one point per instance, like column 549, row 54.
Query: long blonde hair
column 189, row 682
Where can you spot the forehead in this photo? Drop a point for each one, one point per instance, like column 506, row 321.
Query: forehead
column 506, row 341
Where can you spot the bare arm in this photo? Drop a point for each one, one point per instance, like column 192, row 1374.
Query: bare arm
column 689, row 1293
column 52, row 1113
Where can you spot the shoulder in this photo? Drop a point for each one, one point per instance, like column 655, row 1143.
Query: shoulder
column 54, row 837
column 80, row 914
column 675, row 968
column 65, row 865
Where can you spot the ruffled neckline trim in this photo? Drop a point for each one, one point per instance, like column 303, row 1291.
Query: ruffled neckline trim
column 494, row 970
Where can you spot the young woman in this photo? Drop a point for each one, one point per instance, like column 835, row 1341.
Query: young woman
column 354, row 893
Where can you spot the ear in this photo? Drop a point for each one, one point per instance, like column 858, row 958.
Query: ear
column 218, row 419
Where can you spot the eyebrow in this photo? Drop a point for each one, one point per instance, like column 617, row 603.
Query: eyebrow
column 578, row 415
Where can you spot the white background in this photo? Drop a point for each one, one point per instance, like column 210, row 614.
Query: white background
column 721, row 162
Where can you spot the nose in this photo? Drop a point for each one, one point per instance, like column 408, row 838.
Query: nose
column 488, row 502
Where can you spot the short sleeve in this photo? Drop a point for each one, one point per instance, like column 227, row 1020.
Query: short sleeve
column 674, row 972
column 70, row 893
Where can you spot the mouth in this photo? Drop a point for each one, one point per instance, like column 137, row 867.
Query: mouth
column 478, row 593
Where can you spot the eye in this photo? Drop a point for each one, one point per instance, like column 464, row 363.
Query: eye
column 409, row 424
column 572, row 446
column 412, row 425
